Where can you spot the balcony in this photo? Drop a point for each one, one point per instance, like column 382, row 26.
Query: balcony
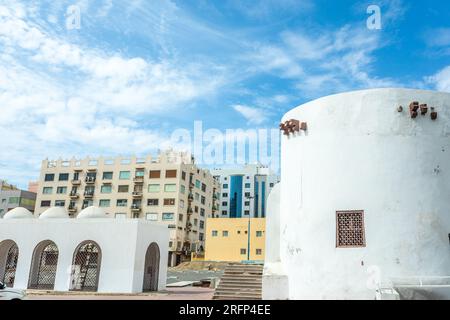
column 72, row 209
column 214, row 208
column 137, row 194
column 76, row 182
column 88, row 194
column 190, row 211
column 190, row 197
column 74, row 195
column 136, row 207
column 138, row 180
column 90, row 180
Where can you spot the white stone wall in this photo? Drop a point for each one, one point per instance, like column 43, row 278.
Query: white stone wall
column 360, row 153
column 123, row 246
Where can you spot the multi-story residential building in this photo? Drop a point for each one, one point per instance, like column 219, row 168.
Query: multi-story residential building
column 168, row 188
column 235, row 240
column 244, row 191
column 12, row 197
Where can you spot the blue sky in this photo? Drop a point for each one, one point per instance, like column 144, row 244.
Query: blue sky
column 137, row 70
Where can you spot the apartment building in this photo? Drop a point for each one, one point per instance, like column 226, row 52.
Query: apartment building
column 235, row 240
column 168, row 188
column 244, row 191
column 12, row 197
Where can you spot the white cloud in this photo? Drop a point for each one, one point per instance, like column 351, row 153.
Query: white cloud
column 253, row 115
column 441, row 80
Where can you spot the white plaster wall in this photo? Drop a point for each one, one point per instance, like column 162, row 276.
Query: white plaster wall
column 360, row 153
column 121, row 243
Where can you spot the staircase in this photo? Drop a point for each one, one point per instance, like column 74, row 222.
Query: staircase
column 240, row 282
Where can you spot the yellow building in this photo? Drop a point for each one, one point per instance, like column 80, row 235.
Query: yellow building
column 235, row 239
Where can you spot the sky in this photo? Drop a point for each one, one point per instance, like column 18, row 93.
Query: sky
column 127, row 75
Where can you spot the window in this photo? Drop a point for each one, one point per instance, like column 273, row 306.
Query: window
column 61, row 190
column 247, row 195
column 201, row 236
column 47, row 190
column 203, row 187
column 195, row 222
column 247, row 185
column 60, row 203
column 225, row 186
column 152, row 202
column 180, row 217
column 107, row 175
column 139, row 173
column 121, row 215
column 224, row 233
column 182, row 189
column 243, row 251
column 259, row 234
column 197, row 184
column 49, row 177
column 247, row 203
column 246, row 212
column 202, row 212
column 153, row 188
column 45, row 203
column 258, row 252
column 202, row 200
column 166, row 216
column 214, row 233
column 171, row 173
column 271, row 185
column 122, row 202
column 123, row 188
column 76, row 175
column 224, row 194
column 202, row 224
column 350, row 229
column 224, row 203
column 109, row 162
column 169, row 202
column 151, row 216
column 125, row 161
column 104, row 203
column 124, row 175
column 63, row 177
column 155, row 174
column 224, row 212
column 170, row 188
column 106, row 189
column 183, row 175
column 181, row 203
column 14, row 200
column 93, row 162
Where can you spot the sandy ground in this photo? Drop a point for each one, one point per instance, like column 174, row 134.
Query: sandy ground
column 185, row 293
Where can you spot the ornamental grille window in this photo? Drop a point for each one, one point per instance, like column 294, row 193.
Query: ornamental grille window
column 43, row 266
column 350, row 229
column 8, row 262
column 86, row 267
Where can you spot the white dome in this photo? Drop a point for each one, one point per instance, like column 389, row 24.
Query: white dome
column 54, row 213
column 18, row 213
column 92, row 212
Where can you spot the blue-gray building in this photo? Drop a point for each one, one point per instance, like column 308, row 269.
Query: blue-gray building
column 244, row 191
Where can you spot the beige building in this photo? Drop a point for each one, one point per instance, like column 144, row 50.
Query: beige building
column 168, row 188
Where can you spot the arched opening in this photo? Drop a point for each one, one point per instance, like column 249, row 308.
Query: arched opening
column 86, row 267
column 151, row 268
column 9, row 253
column 43, row 266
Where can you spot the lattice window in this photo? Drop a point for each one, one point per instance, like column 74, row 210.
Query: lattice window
column 350, row 229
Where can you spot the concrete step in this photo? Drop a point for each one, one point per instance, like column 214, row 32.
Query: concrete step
column 237, row 297
column 240, row 291
column 240, row 284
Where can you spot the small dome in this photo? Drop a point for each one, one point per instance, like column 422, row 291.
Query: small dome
column 18, row 213
column 54, row 213
column 92, row 212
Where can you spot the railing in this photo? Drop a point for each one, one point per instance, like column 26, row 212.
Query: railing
column 90, row 179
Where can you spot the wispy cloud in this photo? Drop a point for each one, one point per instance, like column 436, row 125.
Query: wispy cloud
column 253, row 115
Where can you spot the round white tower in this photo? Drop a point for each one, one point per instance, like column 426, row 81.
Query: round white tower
column 364, row 199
